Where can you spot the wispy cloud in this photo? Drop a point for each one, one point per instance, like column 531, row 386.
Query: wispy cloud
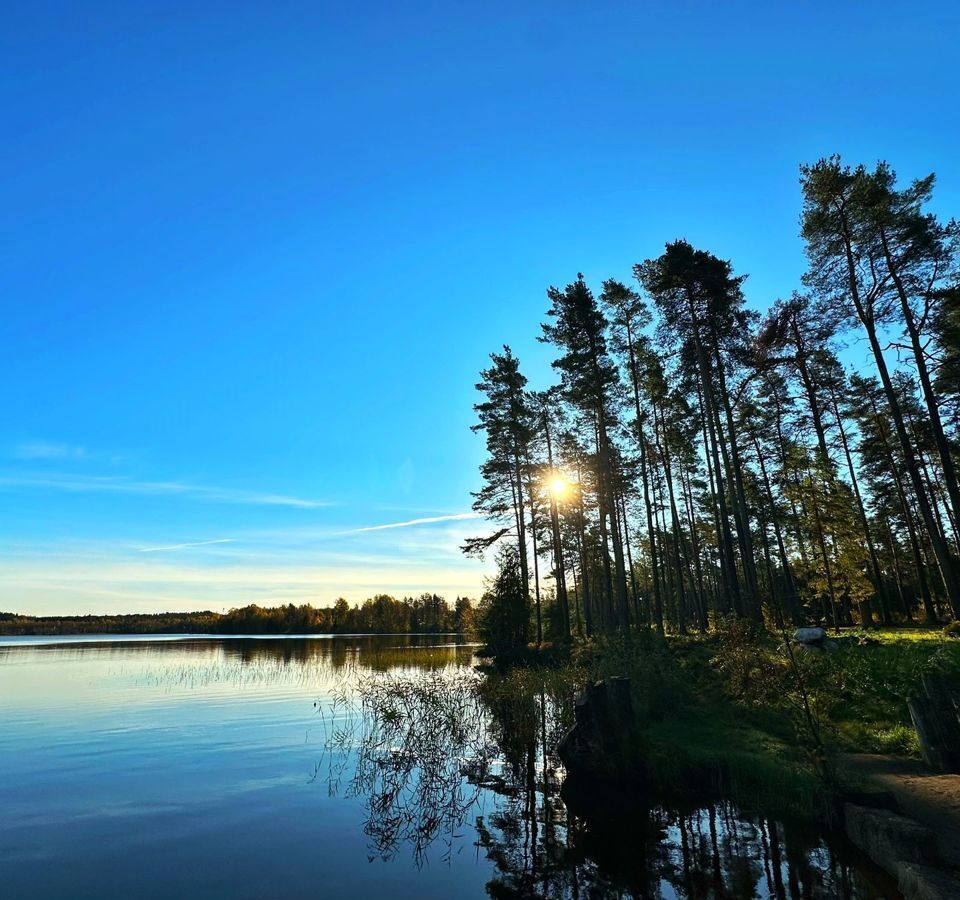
column 85, row 483
column 186, row 545
column 48, row 450
column 429, row 520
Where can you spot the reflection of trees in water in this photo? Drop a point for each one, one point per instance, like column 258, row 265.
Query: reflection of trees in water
column 429, row 752
column 541, row 849
column 289, row 662
column 376, row 652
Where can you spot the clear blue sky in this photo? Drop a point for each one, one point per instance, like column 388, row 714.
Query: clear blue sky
column 253, row 255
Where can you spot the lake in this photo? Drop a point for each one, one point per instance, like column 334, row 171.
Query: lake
column 248, row 768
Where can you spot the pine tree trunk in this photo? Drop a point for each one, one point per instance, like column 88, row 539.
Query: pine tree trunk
column 521, row 539
column 634, row 592
column 559, row 569
column 929, row 612
column 828, row 572
column 695, row 544
column 622, row 605
column 741, row 510
column 793, row 603
column 898, row 578
column 864, row 520
column 728, row 560
column 641, row 441
column 668, row 473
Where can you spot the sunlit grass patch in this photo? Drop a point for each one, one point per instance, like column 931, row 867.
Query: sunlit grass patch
column 907, row 634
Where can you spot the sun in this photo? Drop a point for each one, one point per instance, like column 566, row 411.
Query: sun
column 558, row 486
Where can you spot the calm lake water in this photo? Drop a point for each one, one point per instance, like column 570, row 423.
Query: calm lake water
column 242, row 768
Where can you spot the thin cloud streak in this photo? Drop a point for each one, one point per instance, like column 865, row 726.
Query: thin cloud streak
column 48, row 450
column 83, row 484
column 456, row 517
column 186, row 545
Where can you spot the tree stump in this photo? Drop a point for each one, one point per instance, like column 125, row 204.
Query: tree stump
column 604, row 744
column 936, row 717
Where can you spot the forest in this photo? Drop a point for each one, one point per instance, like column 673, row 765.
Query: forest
column 698, row 459
column 382, row 614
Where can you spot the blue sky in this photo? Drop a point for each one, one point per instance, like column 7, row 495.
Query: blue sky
column 254, row 255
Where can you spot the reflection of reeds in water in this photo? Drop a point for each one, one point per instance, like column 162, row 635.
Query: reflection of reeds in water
column 403, row 742
column 427, row 748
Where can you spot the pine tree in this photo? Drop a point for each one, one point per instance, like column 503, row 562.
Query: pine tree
column 590, row 380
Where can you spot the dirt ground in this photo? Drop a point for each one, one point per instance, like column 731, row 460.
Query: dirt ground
column 931, row 799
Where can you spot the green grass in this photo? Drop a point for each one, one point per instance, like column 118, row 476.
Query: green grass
column 866, row 688
column 859, row 692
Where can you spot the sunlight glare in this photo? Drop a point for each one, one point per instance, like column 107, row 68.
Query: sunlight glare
column 558, row 486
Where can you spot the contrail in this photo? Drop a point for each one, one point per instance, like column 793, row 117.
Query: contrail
column 184, row 546
column 428, row 521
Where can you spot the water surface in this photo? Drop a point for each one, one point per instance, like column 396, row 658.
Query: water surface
column 214, row 768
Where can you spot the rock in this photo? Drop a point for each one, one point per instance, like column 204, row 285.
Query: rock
column 918, row 882
column 872, row 797
column 810, row 635
column 890, row 839
column 605, row 743
column 826, row 646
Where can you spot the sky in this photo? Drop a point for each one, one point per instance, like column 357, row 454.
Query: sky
column 253, row 255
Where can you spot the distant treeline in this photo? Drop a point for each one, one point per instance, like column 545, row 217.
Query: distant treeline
column 382, row 614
